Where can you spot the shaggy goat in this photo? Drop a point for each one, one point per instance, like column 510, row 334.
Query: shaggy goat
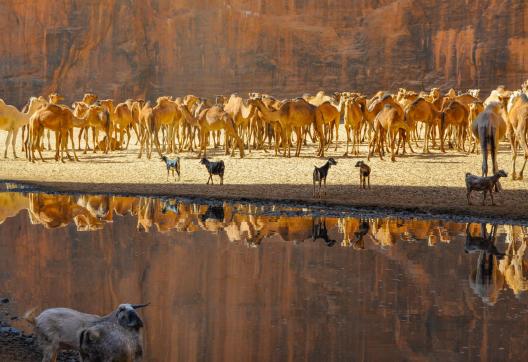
column 108, row 341
column 60, row 328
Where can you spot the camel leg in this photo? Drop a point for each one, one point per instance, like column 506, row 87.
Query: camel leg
column 8, row 138
column 49, row 143
column 348, row 141
column 393, row 141
column 23, row 134
column 73, row 145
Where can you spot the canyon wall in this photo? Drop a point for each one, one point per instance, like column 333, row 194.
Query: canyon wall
column 125, row 48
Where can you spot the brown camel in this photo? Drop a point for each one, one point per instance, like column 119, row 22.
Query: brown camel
column 166, row 113
column 389, row 120
column 211, row 120
column 517, row 130
column 56, row 118
column 296, row 115
column 454, row 114
column 489, row 128
column 95, row 117
column 331, row 115
column 423, row 111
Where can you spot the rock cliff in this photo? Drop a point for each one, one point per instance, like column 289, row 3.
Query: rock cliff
column 124, row 48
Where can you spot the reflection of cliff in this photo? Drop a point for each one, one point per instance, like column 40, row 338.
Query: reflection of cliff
column 213, row 299
column 127, row 49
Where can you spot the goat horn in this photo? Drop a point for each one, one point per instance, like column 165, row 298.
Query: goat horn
column 137, row 306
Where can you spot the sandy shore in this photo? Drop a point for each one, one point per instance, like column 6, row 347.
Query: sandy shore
column 420, row 183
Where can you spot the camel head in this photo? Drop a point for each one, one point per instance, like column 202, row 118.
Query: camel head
column 89, row 98
column 55, row 98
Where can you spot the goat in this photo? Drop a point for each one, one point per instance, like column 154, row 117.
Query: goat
column 364, row 174
column 108, row 341
column 59, row 328
column 485, row 184
column 214, row 168
column 320, row 174
column 172, row 165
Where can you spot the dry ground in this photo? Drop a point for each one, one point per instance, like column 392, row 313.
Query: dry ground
column 424, row 183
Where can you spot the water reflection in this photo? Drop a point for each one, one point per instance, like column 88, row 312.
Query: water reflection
column 252, row 282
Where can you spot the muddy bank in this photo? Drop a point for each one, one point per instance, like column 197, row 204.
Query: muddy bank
column 418, row 183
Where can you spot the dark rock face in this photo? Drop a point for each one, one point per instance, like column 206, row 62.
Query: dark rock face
column 121, row 48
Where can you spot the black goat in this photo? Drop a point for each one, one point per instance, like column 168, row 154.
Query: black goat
column 172, row 165
column 214, row 168
column 364, row 174
column 320, row 173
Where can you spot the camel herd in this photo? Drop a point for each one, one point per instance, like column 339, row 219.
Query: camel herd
column 386, row 123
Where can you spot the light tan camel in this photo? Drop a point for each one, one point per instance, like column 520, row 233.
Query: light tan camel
column 353, row 117
column 11, row 120
column 517, row 131
column 243, row 114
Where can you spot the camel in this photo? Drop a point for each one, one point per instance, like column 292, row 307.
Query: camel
column 423, row 111
column 243, row 114
column 475, row 109
column 489, row 128
column 454, row 114
column 318, row 99
column 497, row 95
column 517, row 130
column 353, row 118
column 389, row 120
column 331, row 115
column 89, row 98
column 294, row 115
column 96, row 117
column 147, row 125
column 166, row 113
column 56, row 118
column 211, row 120
column 11, row 120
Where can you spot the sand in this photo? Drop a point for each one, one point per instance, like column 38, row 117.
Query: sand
column 422, row 183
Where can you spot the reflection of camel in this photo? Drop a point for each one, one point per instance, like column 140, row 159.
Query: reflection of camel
column 513, row 266
column 485, row 280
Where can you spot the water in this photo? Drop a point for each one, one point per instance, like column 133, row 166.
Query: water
column 242, row 282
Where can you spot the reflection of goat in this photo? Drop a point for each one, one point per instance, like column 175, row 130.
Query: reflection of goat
column 170, row 205
column 319, row 231
column 363, row 230
column 213, row 212
column 486, row 281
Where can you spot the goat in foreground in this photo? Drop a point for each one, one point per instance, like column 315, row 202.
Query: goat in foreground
column 110, row 342
column 60, row 328
column 485, row 184
column 172, row 165
column 214, row 168
column 320, row 174
column 364, row 174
